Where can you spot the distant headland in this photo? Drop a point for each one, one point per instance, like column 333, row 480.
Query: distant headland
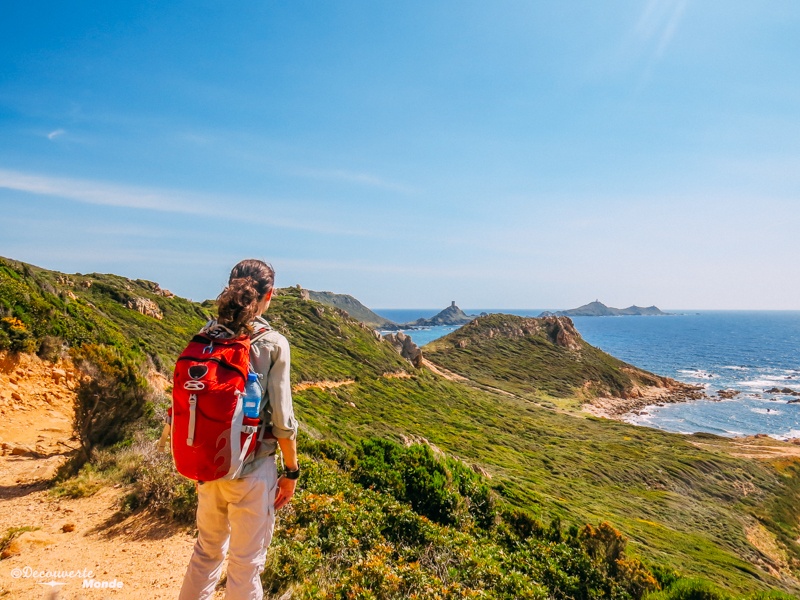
column 598, row 309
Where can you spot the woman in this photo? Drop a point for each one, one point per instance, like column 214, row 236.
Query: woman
column 238, row 515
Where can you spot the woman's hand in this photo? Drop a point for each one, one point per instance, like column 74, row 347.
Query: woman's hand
column 286, row 488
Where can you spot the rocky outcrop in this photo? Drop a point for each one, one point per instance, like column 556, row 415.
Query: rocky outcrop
column 559, row 330
column 784, row 391
column 145, row 306
column 562, row 332
column 406, row 347
column 152, row 286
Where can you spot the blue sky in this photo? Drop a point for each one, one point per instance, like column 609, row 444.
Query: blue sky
column 500, row 154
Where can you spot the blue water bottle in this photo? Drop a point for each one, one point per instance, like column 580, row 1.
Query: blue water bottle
column 252, row 396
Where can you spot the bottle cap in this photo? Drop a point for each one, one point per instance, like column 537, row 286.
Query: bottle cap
column 252, row 377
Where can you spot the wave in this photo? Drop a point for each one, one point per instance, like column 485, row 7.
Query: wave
column 698, row 373
column 766, row 411
column 792, row 433
column 768, row 382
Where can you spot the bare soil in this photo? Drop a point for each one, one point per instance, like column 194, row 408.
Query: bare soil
column 146, row 554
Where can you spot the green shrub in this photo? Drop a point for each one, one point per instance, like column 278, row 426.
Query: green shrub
column 442, row 489
column 87, row 481
column 690, row 589
column 112, row 395
column 16, row 335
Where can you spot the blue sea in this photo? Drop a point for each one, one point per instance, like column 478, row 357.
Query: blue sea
column 747, row 351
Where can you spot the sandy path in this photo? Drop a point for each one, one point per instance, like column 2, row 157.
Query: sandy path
column 323, row 385
column 146, row 554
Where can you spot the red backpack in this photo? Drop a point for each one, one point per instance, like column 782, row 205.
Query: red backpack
column 211, row 437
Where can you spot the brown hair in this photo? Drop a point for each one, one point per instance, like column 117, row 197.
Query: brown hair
column 237, row 305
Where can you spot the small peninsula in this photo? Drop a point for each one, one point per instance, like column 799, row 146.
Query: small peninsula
column 598, row 309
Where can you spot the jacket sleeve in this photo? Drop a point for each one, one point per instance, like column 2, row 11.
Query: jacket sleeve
column 279, row 391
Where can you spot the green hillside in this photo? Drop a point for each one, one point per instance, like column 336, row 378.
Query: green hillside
column 535, row 358
column 683, row 501
column 352, row 307
column 681, row 504
column 40, row 310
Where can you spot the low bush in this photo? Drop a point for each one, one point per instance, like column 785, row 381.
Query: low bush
column 690, row 589
column 156, row 484
column 442, row 489
column 112, row 394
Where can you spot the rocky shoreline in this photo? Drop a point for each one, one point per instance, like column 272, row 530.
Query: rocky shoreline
column 639, row 398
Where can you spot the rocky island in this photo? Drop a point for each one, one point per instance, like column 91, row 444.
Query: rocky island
column 598, row 309
column 452, row 315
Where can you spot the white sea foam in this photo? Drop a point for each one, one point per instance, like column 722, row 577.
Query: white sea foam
column 792, row 433
column 735, row 368
column 697, row 373
column 766, row 411
column 769, row 382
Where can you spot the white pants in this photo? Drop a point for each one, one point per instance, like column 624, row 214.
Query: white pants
column 235, row 516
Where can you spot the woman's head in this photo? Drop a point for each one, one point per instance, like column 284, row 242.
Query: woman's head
column 238, row 304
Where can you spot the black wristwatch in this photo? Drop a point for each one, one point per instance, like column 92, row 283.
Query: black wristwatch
column 292, row 474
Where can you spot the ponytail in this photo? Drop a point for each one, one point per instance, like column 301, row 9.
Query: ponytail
column 237, row 305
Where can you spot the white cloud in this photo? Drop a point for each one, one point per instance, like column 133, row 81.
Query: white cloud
column 165, row 200
column 56, row 133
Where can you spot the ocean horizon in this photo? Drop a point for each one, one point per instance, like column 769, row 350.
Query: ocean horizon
column 749, row 351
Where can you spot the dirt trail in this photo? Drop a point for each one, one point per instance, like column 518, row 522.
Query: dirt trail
column 442, row 372
column 146, row 554
column 323, row 385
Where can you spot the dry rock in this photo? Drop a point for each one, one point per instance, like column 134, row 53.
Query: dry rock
column 146, row 307
column 59, row 375
column 406, row 347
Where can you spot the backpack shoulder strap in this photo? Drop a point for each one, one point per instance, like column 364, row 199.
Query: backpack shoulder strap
column 261, row 327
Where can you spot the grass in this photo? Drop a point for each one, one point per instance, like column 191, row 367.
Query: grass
column 681, row 505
